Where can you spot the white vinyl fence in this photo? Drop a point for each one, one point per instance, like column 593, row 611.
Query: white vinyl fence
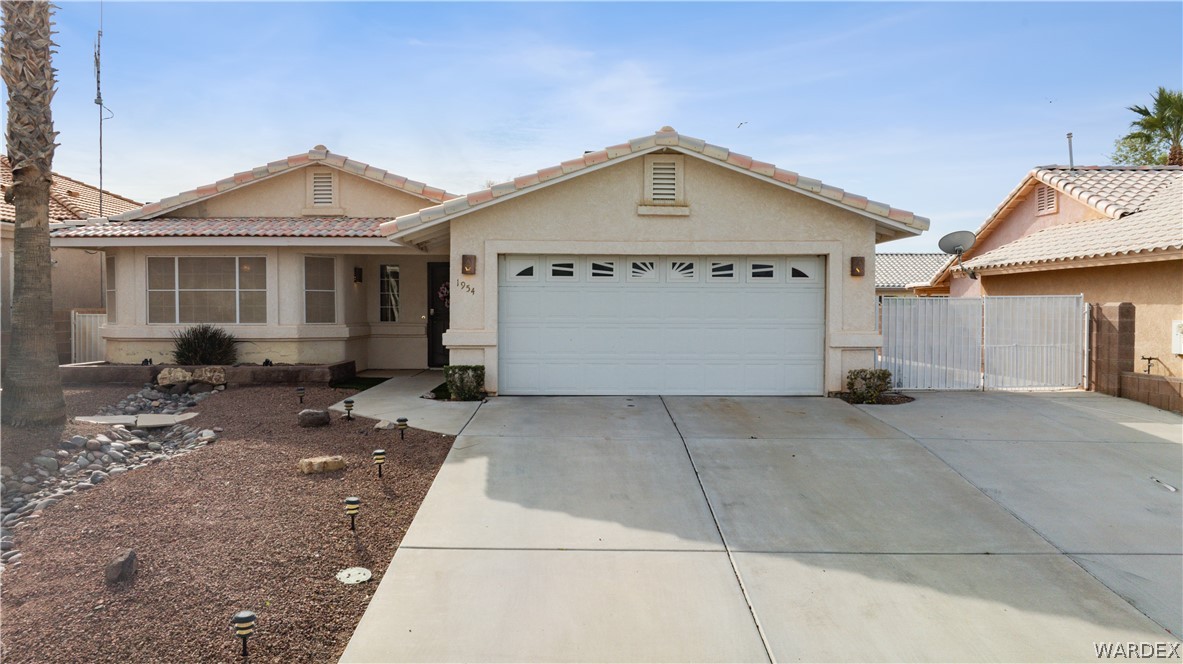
column 997, row 343
column 86, row 339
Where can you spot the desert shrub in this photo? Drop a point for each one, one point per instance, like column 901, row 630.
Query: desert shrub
column 204, row 344
column 466, row 382
column 865, row 385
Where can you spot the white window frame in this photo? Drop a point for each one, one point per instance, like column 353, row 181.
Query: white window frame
column 596, row 278
column 515, row 264
column 737, row 267
column 305, row 289
column 777, row 270
column 382, row 270
column 674, row 277
column 654, row 277
column 176, row 289
column 110, row 297
column 551, row 261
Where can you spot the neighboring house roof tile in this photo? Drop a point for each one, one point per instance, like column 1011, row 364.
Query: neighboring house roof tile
column 230, row 227
column 899, row 270
column 666, row 137
column 69, row 199
column 1157, row 226
column 318, row 155
column 1113, row 191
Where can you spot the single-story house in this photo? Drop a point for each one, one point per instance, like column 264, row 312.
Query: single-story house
column 1111, row 233
column 77, row 273
column 286, row 256
column 664, row 265
column 895, row 271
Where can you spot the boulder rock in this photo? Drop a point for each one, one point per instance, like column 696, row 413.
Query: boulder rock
column 122, row 567
column 198, row 388
column 384, row 425
column 77, row 441
column 209, row 376
column 314, row 418
column 173, row 376
column 46, row 463
column 321, row 464
column 93, row 445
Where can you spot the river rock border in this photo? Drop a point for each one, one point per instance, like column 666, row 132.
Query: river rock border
column 80, row 463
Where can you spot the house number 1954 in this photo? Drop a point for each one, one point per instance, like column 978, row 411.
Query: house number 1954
column 465, row 286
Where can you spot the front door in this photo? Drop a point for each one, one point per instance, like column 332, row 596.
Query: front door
column 438, row 303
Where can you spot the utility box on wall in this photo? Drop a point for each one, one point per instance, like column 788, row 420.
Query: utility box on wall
column 1177, row 337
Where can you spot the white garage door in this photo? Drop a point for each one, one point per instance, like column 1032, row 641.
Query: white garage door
column 661, row 325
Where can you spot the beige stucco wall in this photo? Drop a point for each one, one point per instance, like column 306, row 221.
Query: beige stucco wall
column 285, row 195
column 357, row 335
column 1155, row 289
column 730, row 214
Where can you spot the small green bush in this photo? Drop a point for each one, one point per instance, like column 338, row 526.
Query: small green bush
column 204, row 344
column 466, row 382
column 865, row 385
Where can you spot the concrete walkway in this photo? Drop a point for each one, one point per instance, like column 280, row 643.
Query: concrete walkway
column 401, row 397
column 756, row 529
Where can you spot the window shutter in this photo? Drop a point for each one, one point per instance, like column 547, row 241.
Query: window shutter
column 322, row 189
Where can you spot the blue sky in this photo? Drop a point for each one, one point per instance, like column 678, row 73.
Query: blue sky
column 939, row 108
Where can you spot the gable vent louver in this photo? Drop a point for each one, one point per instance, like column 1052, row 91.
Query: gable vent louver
column 664, row 182
column 322, row 189
column 1045, row 199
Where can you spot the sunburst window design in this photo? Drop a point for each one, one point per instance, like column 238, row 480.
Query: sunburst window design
column 527, row 271
column 763, row 270
column 603, row 269
column 643, row 270
column 682, row 271
column 722, row 270
column 799, row 274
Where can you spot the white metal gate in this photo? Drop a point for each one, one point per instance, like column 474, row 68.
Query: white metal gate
column 86, row 338
column 997, row 343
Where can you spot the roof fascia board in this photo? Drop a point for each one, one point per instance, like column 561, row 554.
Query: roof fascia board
column 1097, row 261
column 410, row 234
column 224, row 241
column 519, row 192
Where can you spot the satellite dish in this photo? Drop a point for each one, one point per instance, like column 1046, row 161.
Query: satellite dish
column 957, row 242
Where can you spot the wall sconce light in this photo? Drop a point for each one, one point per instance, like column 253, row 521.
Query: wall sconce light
column 357, row 275
column 858, row 266
column 468, row 264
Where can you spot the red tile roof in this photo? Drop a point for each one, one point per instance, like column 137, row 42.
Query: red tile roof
column 69, row 199
column 318, row 155
column 348, row 227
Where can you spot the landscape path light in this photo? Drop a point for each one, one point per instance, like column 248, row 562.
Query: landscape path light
column 379, row 459
column 352, row 507
column 349, row 409
column 402, row 428
column 300, row 393
column 243, row 623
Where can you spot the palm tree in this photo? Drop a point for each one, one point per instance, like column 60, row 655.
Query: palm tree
column 32, row 386
column 1164, row 122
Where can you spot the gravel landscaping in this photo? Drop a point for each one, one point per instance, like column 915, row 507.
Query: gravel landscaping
column 220, row 522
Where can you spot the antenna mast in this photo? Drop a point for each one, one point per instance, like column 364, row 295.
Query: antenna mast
column 98, row 100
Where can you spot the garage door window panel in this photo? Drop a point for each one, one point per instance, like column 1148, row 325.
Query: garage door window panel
column 643, row 270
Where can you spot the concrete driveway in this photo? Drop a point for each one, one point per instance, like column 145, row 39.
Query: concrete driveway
column 960, row 527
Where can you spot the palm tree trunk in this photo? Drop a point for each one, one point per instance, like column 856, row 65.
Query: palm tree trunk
column 1175, row 156
column 32, row 385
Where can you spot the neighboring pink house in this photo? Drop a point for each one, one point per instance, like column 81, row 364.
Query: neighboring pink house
column 1111, row 233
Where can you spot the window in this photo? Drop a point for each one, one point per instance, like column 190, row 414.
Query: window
column 642, row 270
column 388, row 293
column 1045, row 200
column 722, row 271
column 521, row 269
column 320, row 289
column 560, row 269
column 110, row 288
column 761, row 270
column 207, row 289
column 602, row 269
column 682, row 270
